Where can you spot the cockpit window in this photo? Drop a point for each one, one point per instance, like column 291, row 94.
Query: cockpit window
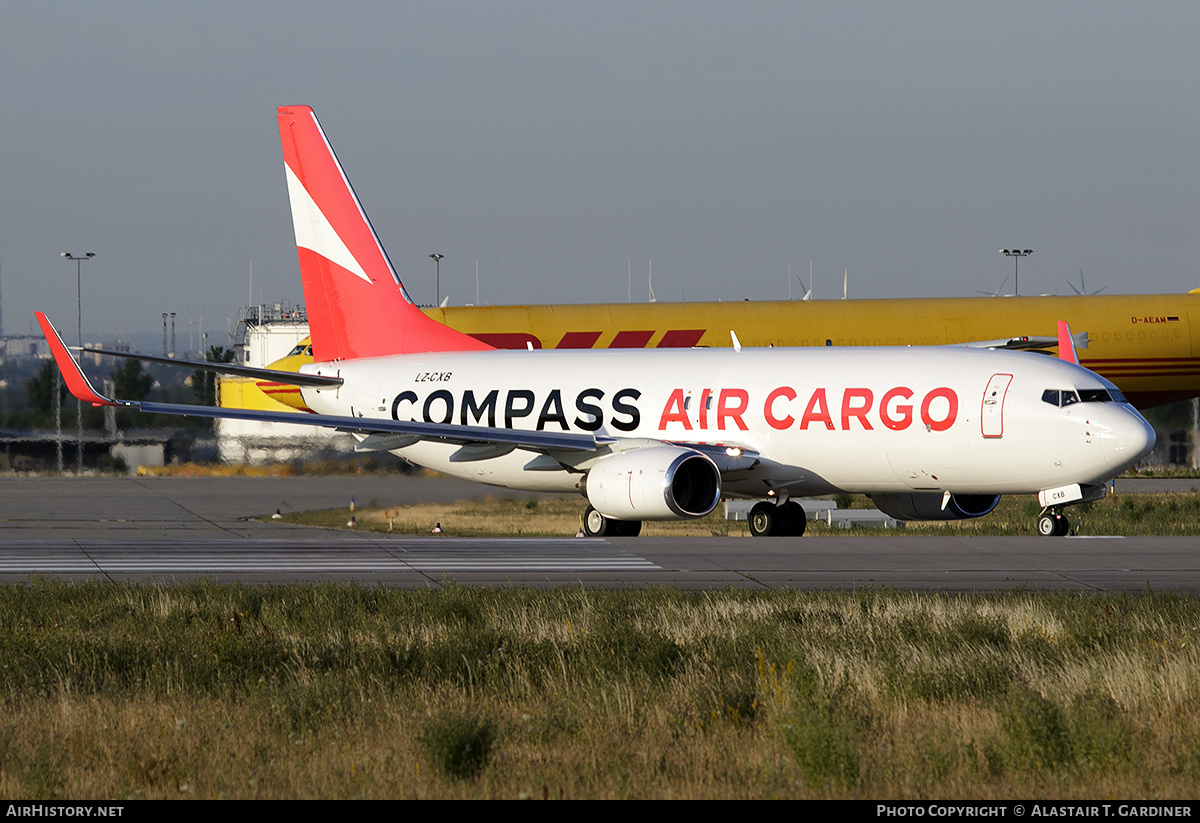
column 1095, row 396
column 1060, row 397
column 1067, row 397
column 301, row 349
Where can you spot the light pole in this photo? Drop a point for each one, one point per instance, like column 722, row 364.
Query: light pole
column 79, row 342
column 437, row 266
column 1016, row 255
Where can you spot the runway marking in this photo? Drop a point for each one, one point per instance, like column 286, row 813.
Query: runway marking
column 317, row 556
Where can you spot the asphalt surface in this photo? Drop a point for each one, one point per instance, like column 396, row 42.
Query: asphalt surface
column 175, row 529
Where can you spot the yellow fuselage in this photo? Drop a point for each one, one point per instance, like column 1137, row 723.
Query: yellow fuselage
column 1149, row 345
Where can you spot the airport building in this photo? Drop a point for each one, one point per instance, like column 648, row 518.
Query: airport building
column 264, row 334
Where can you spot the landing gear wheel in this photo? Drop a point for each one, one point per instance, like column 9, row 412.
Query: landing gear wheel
column 597, row 525
column 627, row 528
column 594, row 523
column 1053, row 524
column 763, row 518
column 793, row 518
column 770, row 520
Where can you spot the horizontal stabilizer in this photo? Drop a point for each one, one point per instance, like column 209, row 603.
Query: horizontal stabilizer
column 1029, row 343
column 290, row 378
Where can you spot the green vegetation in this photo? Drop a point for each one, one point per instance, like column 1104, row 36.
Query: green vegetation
column 1124, row 514
column 338, row 691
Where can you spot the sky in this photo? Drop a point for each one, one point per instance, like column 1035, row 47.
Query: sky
column 565, row 149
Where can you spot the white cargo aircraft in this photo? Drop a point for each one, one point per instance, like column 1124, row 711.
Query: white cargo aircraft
column 655, row 434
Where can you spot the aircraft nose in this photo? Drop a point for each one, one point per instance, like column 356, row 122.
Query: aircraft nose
column 1125, row 436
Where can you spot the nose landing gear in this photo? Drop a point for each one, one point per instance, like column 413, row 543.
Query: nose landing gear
column 1052, row 523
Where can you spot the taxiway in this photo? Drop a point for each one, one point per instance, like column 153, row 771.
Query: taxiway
column 176, row 529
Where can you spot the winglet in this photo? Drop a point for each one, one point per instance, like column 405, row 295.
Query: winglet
column 75, row 379
column 1066, row 346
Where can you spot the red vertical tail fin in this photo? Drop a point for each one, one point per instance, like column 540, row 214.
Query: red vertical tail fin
column 357, row 306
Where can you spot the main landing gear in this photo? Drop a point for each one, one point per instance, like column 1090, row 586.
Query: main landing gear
column 769, row 519
column 597, row 525
column 1052, row 523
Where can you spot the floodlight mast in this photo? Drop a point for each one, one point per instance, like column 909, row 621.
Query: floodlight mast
column 1016, row 255
column 437, row 265
column 79, row 342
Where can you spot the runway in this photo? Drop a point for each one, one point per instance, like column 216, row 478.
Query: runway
column 167, row 530
column 402, row 561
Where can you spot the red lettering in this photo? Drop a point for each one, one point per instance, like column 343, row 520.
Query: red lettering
column 951, row 414
column 674, row 412
column 725, row 409
column 768, row 412
column 704, row 397
column 850, row 409
column 817, row 410
column 905, row 410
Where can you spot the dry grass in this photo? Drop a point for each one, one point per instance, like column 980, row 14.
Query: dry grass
column 339, row 691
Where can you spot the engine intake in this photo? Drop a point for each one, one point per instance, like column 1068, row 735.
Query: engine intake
column 928, row 506
column 654, row 483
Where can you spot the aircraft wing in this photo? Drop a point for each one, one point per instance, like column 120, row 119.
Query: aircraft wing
column 381, row 434
column 384, row 435
column 81, row 387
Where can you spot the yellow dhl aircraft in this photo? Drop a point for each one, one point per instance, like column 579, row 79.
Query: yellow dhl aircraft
column 1149, row 345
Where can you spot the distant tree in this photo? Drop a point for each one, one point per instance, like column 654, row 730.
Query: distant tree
column 130, row 381
column 41, row 388
column 204, row 382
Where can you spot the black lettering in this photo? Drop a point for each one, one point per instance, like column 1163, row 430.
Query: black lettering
column 445, row 396
column 411, row 397
column 597, row 414
column 469, row 407
column 635, row 416
column 558, row 416
column 510, row 409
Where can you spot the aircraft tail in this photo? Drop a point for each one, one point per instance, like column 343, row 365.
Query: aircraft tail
column 357, row 306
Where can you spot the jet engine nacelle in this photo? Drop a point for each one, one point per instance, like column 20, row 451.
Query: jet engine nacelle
column 654, row 483
column 928, row 506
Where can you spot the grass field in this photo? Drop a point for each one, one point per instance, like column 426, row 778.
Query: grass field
column 339, row 691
